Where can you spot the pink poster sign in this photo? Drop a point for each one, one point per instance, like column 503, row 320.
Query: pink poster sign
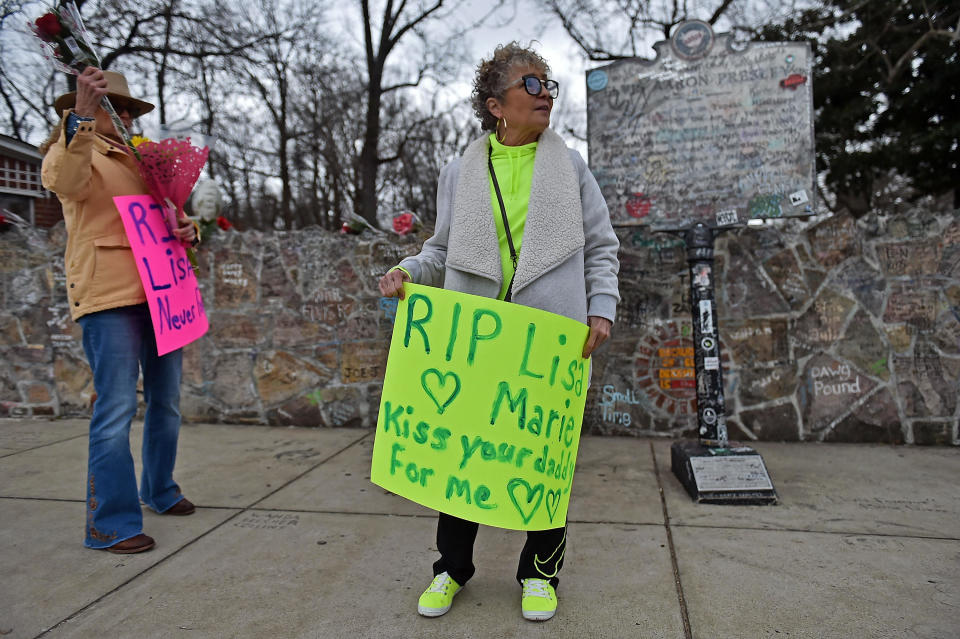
column 173, row 294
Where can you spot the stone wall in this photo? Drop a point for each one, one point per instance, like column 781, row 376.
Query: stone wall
column 832, row 330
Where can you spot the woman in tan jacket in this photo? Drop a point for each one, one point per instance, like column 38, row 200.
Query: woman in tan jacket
column 86, row 164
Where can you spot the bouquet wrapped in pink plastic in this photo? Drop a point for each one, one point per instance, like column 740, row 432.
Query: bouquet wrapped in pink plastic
column 170, row 168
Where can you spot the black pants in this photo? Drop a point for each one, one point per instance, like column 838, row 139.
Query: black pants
column 542, row 555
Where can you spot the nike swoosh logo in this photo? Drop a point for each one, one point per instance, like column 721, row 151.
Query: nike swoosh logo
column 542, row 565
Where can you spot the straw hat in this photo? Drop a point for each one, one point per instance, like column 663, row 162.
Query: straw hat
column 116, row 88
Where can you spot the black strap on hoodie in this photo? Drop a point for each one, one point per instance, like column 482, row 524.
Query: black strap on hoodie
column 506, row 222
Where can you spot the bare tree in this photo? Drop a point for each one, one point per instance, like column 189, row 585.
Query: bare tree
column 383, row 33
column 430, row 139
column 153, row 39
column 163, row 35
column 313, row 120
column 611, row 30
column 331, row 112
column 26, row 90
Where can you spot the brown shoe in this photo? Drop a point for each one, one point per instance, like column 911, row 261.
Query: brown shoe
column 138, row 543
column 181, row 508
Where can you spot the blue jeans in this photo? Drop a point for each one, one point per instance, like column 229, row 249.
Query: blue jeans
column 118, row 342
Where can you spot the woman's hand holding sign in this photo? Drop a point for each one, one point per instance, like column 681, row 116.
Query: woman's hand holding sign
column 599, row 332
column 391, row 284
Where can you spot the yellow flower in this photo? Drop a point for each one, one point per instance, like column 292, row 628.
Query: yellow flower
column 137, row 140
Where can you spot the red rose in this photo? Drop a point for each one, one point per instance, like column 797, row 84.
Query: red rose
column 48, row 26
column 403, row 223
column 224, row 223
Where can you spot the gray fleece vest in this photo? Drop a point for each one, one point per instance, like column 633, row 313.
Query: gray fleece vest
column 554, row 226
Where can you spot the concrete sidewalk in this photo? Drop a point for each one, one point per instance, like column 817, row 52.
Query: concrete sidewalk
column 290, row 539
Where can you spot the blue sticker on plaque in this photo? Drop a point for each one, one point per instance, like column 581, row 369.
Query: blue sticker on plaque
column 597, row 80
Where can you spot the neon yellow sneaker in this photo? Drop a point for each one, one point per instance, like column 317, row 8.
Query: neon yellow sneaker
column 539, row 601
column 438, row 597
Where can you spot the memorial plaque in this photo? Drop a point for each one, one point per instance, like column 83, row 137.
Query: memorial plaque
column 734, row 474
column 731, row 472
column 707, row 132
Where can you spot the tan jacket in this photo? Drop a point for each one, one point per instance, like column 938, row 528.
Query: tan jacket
column 86, row 176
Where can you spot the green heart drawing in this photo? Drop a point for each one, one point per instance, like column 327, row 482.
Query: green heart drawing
column 553, row 502
column 534, row 494
column 441, row 382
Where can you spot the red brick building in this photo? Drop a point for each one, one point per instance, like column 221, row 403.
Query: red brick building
column 20, row 190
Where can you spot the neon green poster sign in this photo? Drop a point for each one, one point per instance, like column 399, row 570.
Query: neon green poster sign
column 481, row 410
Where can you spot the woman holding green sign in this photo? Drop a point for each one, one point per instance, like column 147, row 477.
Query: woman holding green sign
column 519, row 218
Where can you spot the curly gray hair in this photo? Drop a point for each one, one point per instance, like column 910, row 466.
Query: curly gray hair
column 493, row 74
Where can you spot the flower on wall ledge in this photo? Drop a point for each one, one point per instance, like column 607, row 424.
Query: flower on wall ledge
column 404, row 223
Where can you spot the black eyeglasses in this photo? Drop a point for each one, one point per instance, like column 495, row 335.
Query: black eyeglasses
column 533, row 85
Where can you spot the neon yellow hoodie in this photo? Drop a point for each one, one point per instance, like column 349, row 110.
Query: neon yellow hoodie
column 514, row 168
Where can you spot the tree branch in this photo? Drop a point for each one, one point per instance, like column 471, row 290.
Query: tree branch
column 421, row 74
column 719, row 11
column 423, row 16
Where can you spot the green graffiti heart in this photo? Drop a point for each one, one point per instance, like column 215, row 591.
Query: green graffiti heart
column 553, row 503
column 441, row 382
column 534, row 496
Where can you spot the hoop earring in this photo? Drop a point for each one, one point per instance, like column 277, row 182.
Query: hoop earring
column 497, row 130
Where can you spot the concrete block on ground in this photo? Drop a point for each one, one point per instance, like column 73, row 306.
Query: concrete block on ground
column 231, row 466
column 870, row 489
column 332, row 575
column 744, row 584
column 48, row 574
column 615, row 481
column 18, row 435
column 343, row 485
column 222, row 466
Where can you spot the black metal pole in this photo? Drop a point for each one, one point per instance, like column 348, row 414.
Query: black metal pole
column 711, row 413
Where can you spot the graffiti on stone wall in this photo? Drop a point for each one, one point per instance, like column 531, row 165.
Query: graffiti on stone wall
column 832, row 331
column 909, row 258
column 837, row 380
column 389, row 307
column 363, row 361
column 383, row 256
column 328, row 306
column 915, row 308
column 756, row 341
column 665, row 371
column 232, row 275
column 612, row 399
column 830, row 387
